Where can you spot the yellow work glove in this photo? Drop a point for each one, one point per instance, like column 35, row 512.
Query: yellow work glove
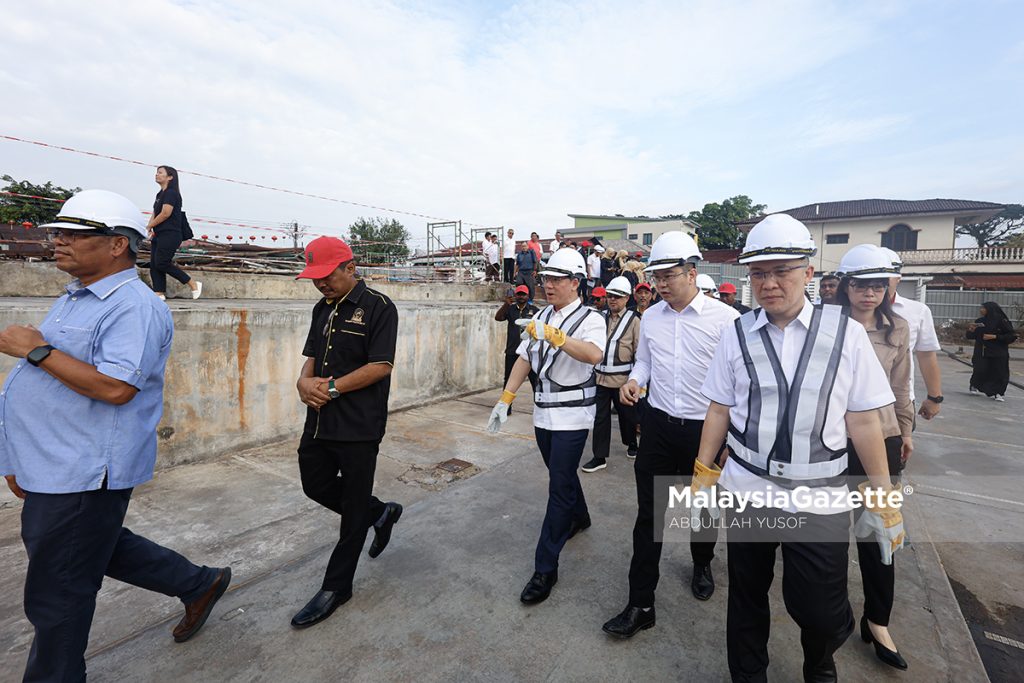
column 538, row 331
column 883, row 522
column 499, row 415
column 704, row 479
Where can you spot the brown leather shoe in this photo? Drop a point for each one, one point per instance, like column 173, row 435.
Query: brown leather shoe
column 197, row 611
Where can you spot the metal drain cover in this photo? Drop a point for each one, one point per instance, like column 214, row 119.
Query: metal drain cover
column 453, row 465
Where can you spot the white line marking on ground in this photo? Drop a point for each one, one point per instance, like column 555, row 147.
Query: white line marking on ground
column 475, row 428
column 1004, row 640
column 964, row 438
column 965, row 493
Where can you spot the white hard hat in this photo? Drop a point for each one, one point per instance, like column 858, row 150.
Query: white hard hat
column 897, row 262
column 706, row 283
column 619, row 286
column 672, row 249
column 598, row 248
column 565, row 263
column 779, row 236
column 104, row 211
column 866, row 262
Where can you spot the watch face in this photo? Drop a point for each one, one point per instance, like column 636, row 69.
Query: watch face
column 38, row 354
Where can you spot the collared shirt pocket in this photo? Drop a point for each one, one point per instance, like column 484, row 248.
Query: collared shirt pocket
column 77, row 342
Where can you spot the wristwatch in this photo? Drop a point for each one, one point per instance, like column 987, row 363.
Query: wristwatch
column 936, row 399
column 39, row 354
column 332, row 390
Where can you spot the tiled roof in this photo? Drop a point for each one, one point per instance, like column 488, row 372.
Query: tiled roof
column 993, row 281
column 866, row 208
column 721, row 255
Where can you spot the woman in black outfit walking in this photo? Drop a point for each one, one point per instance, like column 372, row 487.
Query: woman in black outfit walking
column 165, row 235
column 992, row 334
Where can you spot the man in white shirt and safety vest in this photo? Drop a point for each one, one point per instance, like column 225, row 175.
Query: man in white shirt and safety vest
column 924, row 343
column 562, row 344
column 789, row 383
column 612, row 373
column 678, row 336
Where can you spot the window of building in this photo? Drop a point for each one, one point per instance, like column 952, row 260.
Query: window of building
column 900, row 237
column 648, row 239
column 843, row 238
column 633, row 236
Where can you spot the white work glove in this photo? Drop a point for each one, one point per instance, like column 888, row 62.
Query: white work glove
column 499, row 415
column 885, row 524
column 704, row 479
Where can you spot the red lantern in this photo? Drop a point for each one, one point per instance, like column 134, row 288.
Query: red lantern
column 27, row 224
column 230, row 237
column 206, row 237
column 252, row 237
column 273, row 237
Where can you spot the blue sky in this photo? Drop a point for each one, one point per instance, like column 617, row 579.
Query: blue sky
column 518, row 113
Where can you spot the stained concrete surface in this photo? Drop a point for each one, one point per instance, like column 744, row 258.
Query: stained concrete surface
column 442, row 602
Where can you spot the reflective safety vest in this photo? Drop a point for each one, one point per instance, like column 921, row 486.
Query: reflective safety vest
column 609, row 364
column 563, row 381
column 782, row 439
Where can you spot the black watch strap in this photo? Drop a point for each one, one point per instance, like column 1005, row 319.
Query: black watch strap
column 936, row 399
column 39, row 354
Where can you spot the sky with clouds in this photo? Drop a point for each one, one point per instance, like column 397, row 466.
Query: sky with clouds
column 518, row 113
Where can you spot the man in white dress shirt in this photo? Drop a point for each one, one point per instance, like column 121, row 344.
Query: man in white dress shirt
column 508, row 253
column 678, row 336
column 789, row 383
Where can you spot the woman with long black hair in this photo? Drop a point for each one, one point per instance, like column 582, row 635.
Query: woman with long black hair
column 992, row 334
column 165, row 235
column 863, row 289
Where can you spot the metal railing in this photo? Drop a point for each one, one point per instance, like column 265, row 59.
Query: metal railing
column 964, row 255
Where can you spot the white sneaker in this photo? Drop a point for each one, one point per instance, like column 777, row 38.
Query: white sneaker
column 161, row 297
column 197, row 292
column 975, row 392
column 1000, row 398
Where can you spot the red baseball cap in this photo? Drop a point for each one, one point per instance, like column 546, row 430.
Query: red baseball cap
column 522, row 289
column 639, row 254
column 585, row 244
column 727, row 288
column 598, row 291
column 323, row 255
column 644, row 285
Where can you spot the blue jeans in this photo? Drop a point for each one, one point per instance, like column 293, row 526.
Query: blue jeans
column 73, row 540
column 561, row 452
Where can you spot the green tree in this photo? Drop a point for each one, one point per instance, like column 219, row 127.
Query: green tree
column 35, row 211
column 996, row 231
column 378, row 240
column 718, row 221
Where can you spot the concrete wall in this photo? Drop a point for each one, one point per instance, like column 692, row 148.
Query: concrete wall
column 232, row 370
column 22, row 278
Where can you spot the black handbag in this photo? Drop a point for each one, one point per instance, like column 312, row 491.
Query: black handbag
column 186, row 229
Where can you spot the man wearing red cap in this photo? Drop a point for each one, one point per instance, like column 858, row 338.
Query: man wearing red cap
column 599, row 299
column 517, row 305
column 727, row 295
column 345, row 381
column 643, row 296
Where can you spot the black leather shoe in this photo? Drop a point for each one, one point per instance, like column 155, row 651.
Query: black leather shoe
column 319, row 608
column 382, row 533
column 629, row 622
column 539, row 587
column 631, row 451
column 578, row 525
column 890, row 657
column 703, row 584
column 823, row 673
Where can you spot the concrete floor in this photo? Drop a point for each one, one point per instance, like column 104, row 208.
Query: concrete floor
column 442, row 604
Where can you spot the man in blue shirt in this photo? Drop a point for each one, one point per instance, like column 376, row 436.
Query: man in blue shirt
column 78, row 417
column 526, row 268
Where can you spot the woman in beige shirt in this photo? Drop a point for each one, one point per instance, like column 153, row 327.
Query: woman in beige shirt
column 863, row 289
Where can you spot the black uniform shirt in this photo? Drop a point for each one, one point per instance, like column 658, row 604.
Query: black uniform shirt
column 515, row 332
column 344, row 336
column 173, row 197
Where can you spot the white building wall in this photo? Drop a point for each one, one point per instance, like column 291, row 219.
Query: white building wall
column 933, row 232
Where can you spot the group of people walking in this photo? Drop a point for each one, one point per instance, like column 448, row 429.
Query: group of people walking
column 790, row 395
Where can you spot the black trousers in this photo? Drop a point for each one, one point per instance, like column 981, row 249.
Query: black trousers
column 73, row 540
column 161, row 260
column 510, row 361
column 814, row 576
column 990, row 375
column 526, row 277
column 561, row 452
column 879, row 579
column 510, row 269
column 493, row 272
column 667, row 450
column 339, row 476
column 606, row 397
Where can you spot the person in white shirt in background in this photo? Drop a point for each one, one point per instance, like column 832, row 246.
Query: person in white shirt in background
column 491, row 250
column 562, row 344
column 924, row 343
column 556, row 243
column 678, row 337
column 789, row 384
column 508, row 253
column 594, row 265
column 706, row 284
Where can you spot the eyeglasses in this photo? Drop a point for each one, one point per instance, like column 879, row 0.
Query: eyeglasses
column 865, row 285
column 73, row 235
column 551, row 279
column 665, row 279
column 777, row 274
